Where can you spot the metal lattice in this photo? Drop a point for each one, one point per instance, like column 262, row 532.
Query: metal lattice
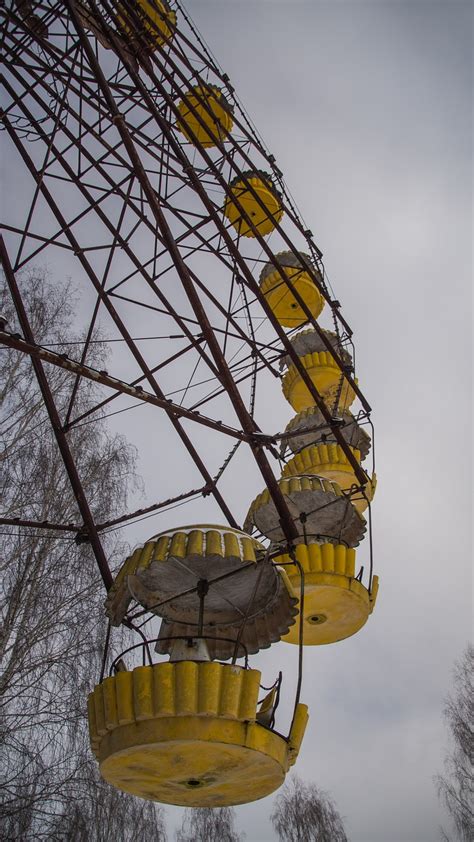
column 121, row 199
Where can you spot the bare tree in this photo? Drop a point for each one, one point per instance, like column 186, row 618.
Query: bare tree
column 455, row 787
column 303, row 813
column 208, row 824
column 51, row 600
column 103, row 814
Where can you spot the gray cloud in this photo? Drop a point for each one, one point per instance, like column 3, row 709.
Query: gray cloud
column 367, row 107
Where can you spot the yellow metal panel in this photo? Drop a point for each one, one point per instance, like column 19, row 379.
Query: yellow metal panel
column 230, row 693
column 347, row 396
column 327, row 553
column 314, row 557
column 340, row 558
column 249, row 694
column 195, row 542
column 305, row 484
column 143, row 692
column 321, row 453
column 210, row 676
column 214, row 543
column 163, row 689
column 298, row 728
column 99, row 710
column 124, row 688
column 350, row 562
column 135, row 558
column 261, row 740
column 178, row 544
column 307, row 460
column 122, row 573
column 333, row 487
column 374, row 592
column 231, row 545
column 186, row 687
column 248, row 549
column 145, row 555
column 286, row 581
column 110, row 703
column 161, row 548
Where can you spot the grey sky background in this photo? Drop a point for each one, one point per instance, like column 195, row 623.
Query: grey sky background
column 367, row 108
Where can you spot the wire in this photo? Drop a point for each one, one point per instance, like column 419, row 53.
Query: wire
column 108, row 341
column 153, row 514
column 33, row 535
column 111, row 414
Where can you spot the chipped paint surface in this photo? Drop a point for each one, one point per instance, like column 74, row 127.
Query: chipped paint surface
column 195, row 761
column 336, row 604
column 186, row 733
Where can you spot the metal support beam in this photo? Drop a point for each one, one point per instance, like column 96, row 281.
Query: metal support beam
column 151, row 196
column 61, row 439
column 166, row 58
column 245, row 419
column 204, row 491
column 43, row 524
column 117, row 320
column 62, row 361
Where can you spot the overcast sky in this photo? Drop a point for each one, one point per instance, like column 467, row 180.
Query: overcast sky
column 367, row 108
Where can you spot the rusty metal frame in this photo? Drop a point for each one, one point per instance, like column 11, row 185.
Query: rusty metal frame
column 60, row 436
column 163, row 67
column 361, row 475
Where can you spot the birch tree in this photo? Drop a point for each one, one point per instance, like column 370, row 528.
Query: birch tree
column 208, row 824
column 456, row 787
column 51, row 599
column 303, row 813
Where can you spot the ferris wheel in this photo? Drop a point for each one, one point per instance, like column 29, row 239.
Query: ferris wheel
column 144, row 179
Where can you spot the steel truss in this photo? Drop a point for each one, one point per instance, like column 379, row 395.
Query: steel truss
column 135, row 209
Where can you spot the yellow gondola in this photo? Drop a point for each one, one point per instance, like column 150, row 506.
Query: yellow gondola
column 310, row 427
column 280, row 297
column 158, row 22
column 187, row 733
column 336, row 604
column 261, row 213
column 323, row 370
column 320, row 509
column 310, row 340
column 330, row 461
column 205, row 104
column 328, row 379
column 161, row 574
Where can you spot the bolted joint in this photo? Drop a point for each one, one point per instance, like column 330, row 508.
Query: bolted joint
column 82, row 536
